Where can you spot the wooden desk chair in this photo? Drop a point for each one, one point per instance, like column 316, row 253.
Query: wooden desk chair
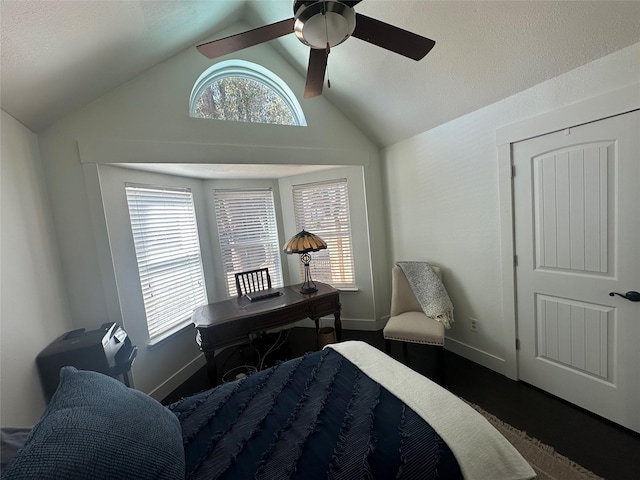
column 252, row 280
column 408, row 322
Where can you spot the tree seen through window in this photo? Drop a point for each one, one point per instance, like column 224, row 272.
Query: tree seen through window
column 243, row 100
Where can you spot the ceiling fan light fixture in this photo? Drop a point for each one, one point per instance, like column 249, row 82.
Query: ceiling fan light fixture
column 322, row 25
column 324, row 22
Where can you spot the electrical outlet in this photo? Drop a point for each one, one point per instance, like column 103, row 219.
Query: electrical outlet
column 473, row 324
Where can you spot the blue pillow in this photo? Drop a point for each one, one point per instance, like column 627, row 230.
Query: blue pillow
column 97, row 428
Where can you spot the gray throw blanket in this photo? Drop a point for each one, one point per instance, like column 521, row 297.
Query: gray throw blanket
column 429, row 291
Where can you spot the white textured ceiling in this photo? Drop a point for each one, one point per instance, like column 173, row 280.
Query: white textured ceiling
column 59, row 55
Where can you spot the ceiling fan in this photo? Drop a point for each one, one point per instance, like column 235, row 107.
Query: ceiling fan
column 322, row 25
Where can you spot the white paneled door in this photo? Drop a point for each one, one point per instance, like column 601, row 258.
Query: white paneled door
column 577, row 208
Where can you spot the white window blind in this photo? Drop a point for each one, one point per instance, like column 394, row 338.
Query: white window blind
column 167, row 247
column 248, row 233
column 323, row 209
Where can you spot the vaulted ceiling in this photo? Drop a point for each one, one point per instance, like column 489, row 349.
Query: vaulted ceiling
column 60, row 55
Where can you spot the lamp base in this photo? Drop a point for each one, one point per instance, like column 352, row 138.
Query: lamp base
column 308, row 286
column 305, row 288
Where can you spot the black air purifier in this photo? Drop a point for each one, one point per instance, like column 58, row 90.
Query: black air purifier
column 107, row 350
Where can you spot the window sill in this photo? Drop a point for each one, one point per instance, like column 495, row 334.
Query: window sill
column 349, row 290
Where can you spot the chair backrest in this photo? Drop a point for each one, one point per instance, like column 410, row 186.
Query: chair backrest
column 252, row 281
column 402, row 297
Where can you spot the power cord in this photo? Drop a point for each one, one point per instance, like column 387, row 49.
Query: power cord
column 248, row 369
column 246, row 366
column 243, row 371
column 277, row 344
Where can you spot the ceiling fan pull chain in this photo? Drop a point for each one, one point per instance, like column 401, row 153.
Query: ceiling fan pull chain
column 326, row 31
column 328, row 52
column 326, row 28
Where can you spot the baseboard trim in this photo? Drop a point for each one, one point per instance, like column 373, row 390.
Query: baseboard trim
column 476, row 355
column 174, row 381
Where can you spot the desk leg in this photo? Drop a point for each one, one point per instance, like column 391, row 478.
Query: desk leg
column 338, row 325
column 317, row 320
column 212, row 368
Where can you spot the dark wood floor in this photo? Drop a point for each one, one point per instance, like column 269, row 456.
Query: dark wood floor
column 597, row 444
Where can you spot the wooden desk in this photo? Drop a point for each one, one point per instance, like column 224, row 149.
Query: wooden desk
column 230, row 322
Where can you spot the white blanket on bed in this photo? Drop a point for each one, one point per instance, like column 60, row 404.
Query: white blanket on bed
column 481, row 451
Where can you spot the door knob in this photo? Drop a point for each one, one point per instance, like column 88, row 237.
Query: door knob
column 631, row 295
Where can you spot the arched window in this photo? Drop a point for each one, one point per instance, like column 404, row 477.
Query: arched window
column 242, row 91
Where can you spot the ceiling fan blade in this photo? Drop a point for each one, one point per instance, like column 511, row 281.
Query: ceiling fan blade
column 315, row 72
column 233, row 43
column 392, row 38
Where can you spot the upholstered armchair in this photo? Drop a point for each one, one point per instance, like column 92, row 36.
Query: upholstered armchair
column 407, row 321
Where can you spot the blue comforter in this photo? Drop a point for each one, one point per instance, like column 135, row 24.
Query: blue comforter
column 317, row 416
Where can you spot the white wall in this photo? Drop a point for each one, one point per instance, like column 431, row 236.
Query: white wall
column 34, row 308
column 442, row 206
column 146, row 121
column 443, row 203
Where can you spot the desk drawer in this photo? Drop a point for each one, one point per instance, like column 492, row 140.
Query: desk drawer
column 325, row 306
column 222, row 335
column 282, row 317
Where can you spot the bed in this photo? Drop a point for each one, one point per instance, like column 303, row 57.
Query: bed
column 346, row 412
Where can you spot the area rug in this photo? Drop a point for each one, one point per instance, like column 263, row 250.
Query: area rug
column 547, row 463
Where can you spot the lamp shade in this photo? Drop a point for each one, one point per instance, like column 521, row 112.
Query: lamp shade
column 304, row 242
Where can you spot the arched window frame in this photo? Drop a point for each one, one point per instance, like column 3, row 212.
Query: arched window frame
column 251, row 71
